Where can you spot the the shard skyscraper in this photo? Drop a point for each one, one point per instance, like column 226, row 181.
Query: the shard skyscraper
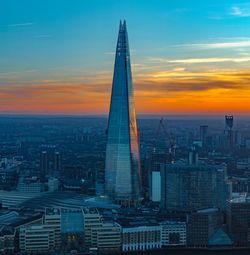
column 122, row 166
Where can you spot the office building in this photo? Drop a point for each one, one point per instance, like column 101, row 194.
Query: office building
column 238, row 219
column 57, row 161
column 141, row 237
column 107, row 237
column 203, row 134
column 30, row 185
column 91, row 219
column 230, row 139
column 155, row 187
column 7, row 239
column 122, row 165
column 44, row 163
column 153, row 166
column 53, row 184
column 192, row 187
column 35, row 238
column 173, row 233
column 52, row 219
column 72, row 229
column 201, row 226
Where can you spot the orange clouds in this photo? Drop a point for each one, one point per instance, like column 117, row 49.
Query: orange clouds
column 177, row 91
column 195, row 92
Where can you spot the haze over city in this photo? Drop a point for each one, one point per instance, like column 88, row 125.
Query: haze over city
column 188, row 57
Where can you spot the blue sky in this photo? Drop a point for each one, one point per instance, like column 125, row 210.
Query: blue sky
column 58, row 40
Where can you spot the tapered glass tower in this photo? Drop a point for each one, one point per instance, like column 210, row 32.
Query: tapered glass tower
column 122, row 166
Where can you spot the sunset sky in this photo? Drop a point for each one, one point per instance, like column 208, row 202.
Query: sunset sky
column 188, row 57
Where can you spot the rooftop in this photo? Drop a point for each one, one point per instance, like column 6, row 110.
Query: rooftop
column 208, row 210
column 242, row 198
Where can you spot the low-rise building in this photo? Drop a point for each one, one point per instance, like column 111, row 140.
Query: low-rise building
column 107, row 237
column 30, row 185
column 238, row 220
column 91, row 219
column 141, row 238
column 173, row 233
column 52, row 219
column 35, row 238
column 72, row 229
column 201, row 226
column 7, row 239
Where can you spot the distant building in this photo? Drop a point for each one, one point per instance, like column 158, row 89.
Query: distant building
column 35, row 238
column 240, row 184
column 122, row 164
column 141, row 237
column 247, row 143
column 91, row 219
column 238, row 220
column 173, row 233
column 57, row 161
column 201, row 226
column 230, row 139
column 193, row 157
column 52, row 219
column 30, row 185
column 8, row 174
column 10, row 224
column 44, row 163
column 156, row 186
column 72, row 229
column 7, row 239
column 53, row 184
column 154, row 167
column 203, row 134
column 107, row 237
column 192, row 187
column 50, row 161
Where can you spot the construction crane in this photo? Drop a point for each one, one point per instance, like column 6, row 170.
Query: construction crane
column 169, row 137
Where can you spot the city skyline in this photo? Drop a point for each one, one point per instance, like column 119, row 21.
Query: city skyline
column 56, row 58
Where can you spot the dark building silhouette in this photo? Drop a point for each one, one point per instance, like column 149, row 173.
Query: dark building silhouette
column 201, row 225
column 192, row 187
column 203, row 134
column 238, row 220
column 44, row 163
column 229, row 122
column 57, row 161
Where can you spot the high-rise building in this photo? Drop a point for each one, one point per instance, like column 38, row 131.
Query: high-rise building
column 229, row 122
column 154, row 178
column 57, row 161
column 203, row 134
column 192, row 187
column 173, row 233
column 44, row 163
column 122, row 165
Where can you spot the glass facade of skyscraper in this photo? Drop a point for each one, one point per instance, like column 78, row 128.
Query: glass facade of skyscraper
column 122, row 167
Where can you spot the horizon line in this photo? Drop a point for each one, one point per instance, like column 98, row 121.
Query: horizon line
column 139, row 115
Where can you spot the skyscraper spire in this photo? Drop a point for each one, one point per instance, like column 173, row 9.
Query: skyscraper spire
column 122, row 166
column 120, row 27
